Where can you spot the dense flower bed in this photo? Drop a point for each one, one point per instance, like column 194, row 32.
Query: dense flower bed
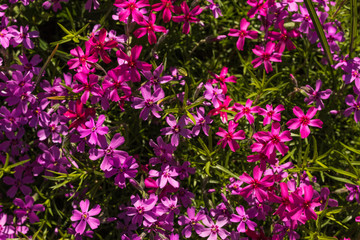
column 140, row 119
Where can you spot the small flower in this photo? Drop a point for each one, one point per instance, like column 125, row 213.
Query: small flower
column 246, row 110
column 148, row 103
column 230, row 136
column 176, row 129
column 354, row 107
column 242, row 34
column 85, row 216
column 191, row 222
column 266, row 56
column 213, row 229
column 28, row 208
column 271, row 114
column 93, row 129
column 243, row 218
column 317, row 95
column 188, row 16
column 304, row 121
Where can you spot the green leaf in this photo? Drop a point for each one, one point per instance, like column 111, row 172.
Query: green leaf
column 204, row 146
column 81, row 30
column 354, row 30
column 345, row 180
column 225, row 170
column 64, row 29
column 207, row 168
column 319, row 30
column 350, row 148
column 17, row 164
column 190, row 116
column 186, row 94
column 343, row 172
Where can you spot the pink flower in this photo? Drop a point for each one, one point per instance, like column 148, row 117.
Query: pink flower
column 246, row 110
column 83, row 59
column 213, row 229
column 271, row 114
column 266, row 56
column 230, row 136
column 188, row 16
column 304, row 121
column 304, row 204
column 100, row 45
column 243, row 218
column 149, row 28
column 131, row 7
column 85, row 216
column 165, row 5
column 94, row 130
column 242, row 34
column 222, row 79
column 284, row 38
column 257, row 186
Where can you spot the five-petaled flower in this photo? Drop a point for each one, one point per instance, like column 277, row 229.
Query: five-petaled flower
column 230, row 136
column 85, row 216
column 304, row 121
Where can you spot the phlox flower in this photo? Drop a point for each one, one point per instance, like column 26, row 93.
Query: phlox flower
column 20, row 179
column 303, row 205
column 162, row 150
column 155, row 78
column 223, row 105
column 258, row 6
column 142, row 208
column 229, row 137
column 257, row 186
column 214, row 94
column 317, row 95
column 284, row 38
column 86, row 216
column 54, row 3
column 246, row 110
column 100, row 45
column 188, row 16
column 23, row 36
column 271, row 114
column 222, row 79
column 84, row 59
column 242, row 34
column 165, row 5
column 123, row 167
column 79, row 114
column 176, row 129
column 150, row 28
column 191, row 221
column 94, row 130
column 148, row 102
column 202, row 122
column 304, row 18
column 243, row 218
column 266, row 56
column 131, row 8
column 115, row 81
column 324, row 197
column 165, row 176
column 304, row 121
column 28, row 208
column 87, row 85
column 214, row 229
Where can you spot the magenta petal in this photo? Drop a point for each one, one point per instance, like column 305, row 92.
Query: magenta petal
column 80, row 228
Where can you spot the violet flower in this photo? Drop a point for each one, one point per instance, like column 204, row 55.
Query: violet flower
column 162, row 150
column 176, row 129
column 148, row 103
column 324, row 197
column 304, row 19
column 23, row 36
column 266, row 56
column 94, row 130
column 123, row 167
column 86, row 216
column 214, row 229
column 243, row 218
column 304, row 204
column 116, row 81
column 317, row 95
column 202, row 122
column 154, row 79
column 149, row 28
column 52, row 127
column 166, row 175
column 18, row 182
column 192, row 222
column 165, row 5
column 214, row 7
column 143, row 208
column 88, row 86
column 214, row 94
column 168, row 206
column 28, row 208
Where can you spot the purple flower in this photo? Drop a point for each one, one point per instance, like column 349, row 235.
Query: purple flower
column 6, row 231
column 154, row 79
column 115, row 81
column 214, row 8
column 52, row 127
column 316, row 95
column 94, row 130
column 84, row 59
column 202, row 122
column 213, row 229
column 192, row 222
column 123, row 167
column 28, row 208
column 162, row 150
column 85, row 216
column 214, row 94
column 165, row 176
column 229, row 137
column 324, row 197
column 354, row 192
column 92, row 4
column 188, row 16
column 243, row 218
column 54, row 3
column 168, row 206
column 304, row 121
column 88, row 86
column 143, row 208
column 149, row 102
column 108, row 150
column 176, row 129
column 304, row 19
column 23, row 36
column 18, row 182
column 28, row 66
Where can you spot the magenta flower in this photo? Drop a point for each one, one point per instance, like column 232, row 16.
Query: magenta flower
column 100, row 45
column 242, row 34
column 223, row 106
column 148, row 103
column 52, row 127
column 222, row 79
column 23, row 36
column 162, row 150
column 155, row 79
column 88, row 86
column 214, row 8
column 230, row 136
column 165, row 5
column 246, row 110
column 84, row 59
column 116, row 81
column 317, row 95
column 284, row 200
column 257, row 186
column 274, row 140
column 188, row 16
column 243, row 218
column 258, row 6
column 271, row 114
column 176, row 129
column 213, row 230
column 304, row 204
column 131, row 8
column 323, row 198
column 28, row 208
column 304, row 18
column 284, row 38
column 131, row 64
column 28, row 66
column 191, row 222
column 354, row 107
column 214, row 94
column 266, row 56
column 304, row 121
column 149, row 28
column 168, row 207
column 94, row 130
column 123, row 167
column 85, row 216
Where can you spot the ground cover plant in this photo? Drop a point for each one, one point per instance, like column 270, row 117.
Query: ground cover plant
column 141, row 119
